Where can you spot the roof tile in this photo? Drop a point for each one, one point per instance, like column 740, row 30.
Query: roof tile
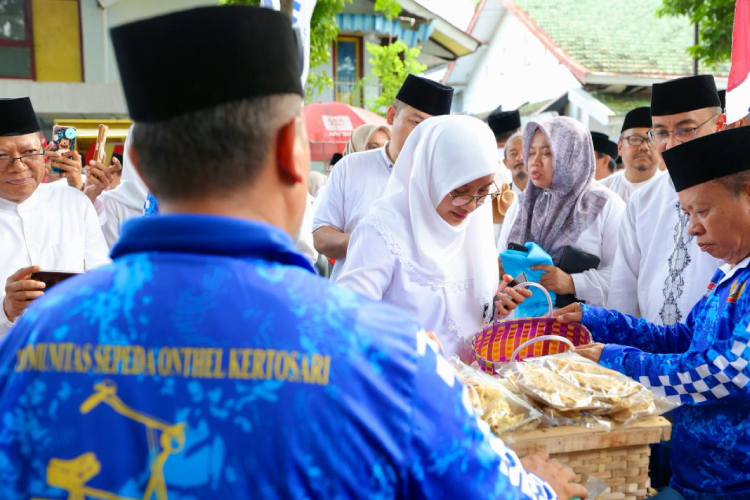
column 618, row 36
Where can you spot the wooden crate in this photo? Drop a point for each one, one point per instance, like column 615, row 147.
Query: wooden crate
column 619, row 457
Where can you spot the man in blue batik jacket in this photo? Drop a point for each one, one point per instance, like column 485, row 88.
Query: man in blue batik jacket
column 208, row 361
column 702, row 363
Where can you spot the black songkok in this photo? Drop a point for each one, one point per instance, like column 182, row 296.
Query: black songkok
column 709, row 157
column 502, row 122
column 201, row 58
column 637, row 118
column 17, row 117
column 602, row 144
column 426, row 95
column 683, row 95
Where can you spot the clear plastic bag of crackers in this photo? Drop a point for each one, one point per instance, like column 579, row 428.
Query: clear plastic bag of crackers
column 494, row 401
column 574, row 387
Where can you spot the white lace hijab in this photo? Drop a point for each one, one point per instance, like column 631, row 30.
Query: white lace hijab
column 440, row 155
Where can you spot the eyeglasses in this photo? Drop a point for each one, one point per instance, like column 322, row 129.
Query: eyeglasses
column 681, row 134
column 637, row 141
column 464, row 199
column 28, row 160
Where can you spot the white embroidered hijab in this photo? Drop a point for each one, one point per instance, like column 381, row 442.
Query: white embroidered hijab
column 440, row 155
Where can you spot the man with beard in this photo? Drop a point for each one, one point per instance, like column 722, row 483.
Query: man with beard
column 514, row 162
column 638, row 155
column 504, row 125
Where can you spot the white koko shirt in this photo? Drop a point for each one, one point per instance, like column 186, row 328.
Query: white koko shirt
column 623, row 187
column 354, row 184
column 659, row 272
column 57, row 228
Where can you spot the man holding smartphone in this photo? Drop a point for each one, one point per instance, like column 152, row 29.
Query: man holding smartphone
column 50, row 227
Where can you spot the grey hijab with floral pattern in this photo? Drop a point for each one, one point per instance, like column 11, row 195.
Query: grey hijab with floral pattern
column 555, row 218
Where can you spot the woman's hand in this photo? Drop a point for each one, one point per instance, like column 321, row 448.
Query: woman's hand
column 508, row 299
column 569, row 314
column 431, row 335
column 556, row 280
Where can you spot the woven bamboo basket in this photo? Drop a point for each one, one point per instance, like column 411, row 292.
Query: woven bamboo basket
column 619, row 457
column 518, row 339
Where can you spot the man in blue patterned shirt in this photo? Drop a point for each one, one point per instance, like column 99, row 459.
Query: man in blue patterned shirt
column 208, row 361
column 703, row 362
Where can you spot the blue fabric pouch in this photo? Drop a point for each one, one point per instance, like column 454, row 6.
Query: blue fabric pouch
column 516, row 262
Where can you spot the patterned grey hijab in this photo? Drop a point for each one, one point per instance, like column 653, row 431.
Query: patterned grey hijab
column 554, row 218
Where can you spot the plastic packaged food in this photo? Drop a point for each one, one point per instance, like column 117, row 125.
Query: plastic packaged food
column 568, row 383
column 495, row 403
column 577, row 418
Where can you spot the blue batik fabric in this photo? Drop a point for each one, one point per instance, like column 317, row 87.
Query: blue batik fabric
column 702, row 364
column 208, row 361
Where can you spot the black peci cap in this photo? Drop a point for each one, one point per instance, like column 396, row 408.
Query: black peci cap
column 502, row 122
column 17, row 117
column 427, row 96
column 684, row 94
column 194, row 59
column 637, row 118
column 602, row 144
column 709, row 157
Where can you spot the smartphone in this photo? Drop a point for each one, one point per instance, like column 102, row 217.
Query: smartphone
column 517, row 247
column 52, row 278
column 63, row 141
column 521, row 278
column 101, row 142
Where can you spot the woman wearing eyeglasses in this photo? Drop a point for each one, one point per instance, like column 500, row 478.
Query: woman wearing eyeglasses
column 427, row 244
column 565, row 211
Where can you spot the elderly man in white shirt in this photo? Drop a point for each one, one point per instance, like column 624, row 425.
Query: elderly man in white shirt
column 360, row 178
column 659, row 272
column 49, row 227
column 638, row 154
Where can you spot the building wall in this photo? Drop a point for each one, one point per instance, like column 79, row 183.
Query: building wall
column 516, row 69
column 61, row 88
column 371, row 89
column 57, row 40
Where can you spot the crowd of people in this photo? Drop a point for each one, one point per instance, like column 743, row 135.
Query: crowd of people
column 207, row 328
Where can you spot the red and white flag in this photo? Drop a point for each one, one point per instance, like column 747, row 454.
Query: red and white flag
column 738, row 87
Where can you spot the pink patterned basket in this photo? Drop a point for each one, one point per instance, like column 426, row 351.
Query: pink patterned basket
column 503, row 341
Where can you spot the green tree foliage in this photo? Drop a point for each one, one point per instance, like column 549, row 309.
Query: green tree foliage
column 391, row 64
column 390, row 8
column 715, row 19
column 323, row 32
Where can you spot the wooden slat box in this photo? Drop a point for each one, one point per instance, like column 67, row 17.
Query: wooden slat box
column 618, row 456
